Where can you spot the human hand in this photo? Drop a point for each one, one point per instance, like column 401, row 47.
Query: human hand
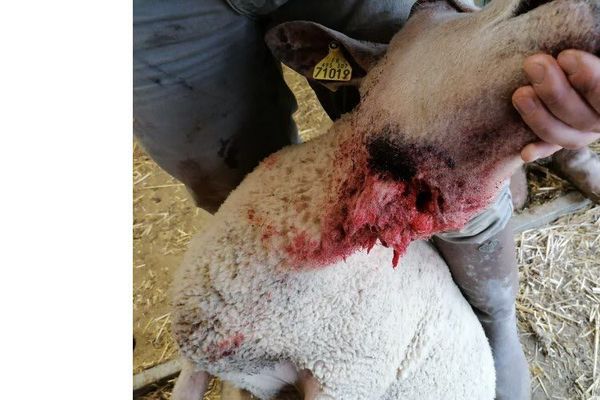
column 562, row 104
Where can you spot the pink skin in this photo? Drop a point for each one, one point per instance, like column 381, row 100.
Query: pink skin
column 562, row 104
column 191, row 384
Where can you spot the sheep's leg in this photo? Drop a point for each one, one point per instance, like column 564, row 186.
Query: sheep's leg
column 230, row 392
column 518, row 188
column 310, row 387
column 488, row 277
column 581, row 168
column 191, row 383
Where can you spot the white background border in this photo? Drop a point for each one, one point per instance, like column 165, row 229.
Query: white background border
column 65, row 199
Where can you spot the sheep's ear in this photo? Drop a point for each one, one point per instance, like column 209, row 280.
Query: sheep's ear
column 302, row 45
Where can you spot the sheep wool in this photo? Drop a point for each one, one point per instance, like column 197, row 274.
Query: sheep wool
column 248, row 305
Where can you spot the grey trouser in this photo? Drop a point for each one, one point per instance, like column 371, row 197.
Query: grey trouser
column 486, row 224
column 209, row 99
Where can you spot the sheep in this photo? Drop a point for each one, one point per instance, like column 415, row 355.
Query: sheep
column 318, row 262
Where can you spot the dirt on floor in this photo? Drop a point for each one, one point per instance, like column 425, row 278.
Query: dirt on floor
column 558, row 304
column 164, row 219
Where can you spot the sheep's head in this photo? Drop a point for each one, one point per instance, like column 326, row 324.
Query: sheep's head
column 435, row 113
column 448, row 77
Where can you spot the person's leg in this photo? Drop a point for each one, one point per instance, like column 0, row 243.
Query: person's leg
column 580, row 167
column 482, row 260
column 209, row 99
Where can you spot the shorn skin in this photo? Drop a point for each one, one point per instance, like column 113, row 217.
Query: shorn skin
column 283, row 279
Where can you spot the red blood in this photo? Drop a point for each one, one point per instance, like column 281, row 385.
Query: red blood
column 395, row 259
column 268, row 232
column 226, row 347
column 271, row 161
column 396, row 201
column 422, row 223
column 371, row 244
column 389, row 189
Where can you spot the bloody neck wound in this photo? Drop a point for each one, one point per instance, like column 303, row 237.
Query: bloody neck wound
column 389, row 191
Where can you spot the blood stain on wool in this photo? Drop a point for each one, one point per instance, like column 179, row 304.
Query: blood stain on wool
column 386, row 191
column 227, row 346
column 268, row 232
column 271, row 161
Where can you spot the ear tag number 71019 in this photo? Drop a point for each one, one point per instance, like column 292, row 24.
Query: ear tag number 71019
column 334, row 66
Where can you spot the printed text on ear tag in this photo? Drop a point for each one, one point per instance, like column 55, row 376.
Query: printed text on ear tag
column 333, row 67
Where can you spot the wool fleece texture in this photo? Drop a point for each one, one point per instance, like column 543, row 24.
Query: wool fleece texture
column 296, row 270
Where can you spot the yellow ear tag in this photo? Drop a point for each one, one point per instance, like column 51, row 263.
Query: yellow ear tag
column 333, row 67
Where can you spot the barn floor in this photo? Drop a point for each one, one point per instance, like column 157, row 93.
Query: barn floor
column 558, row 304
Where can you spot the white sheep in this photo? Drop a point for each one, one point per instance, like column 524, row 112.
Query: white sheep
column 295, row 274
